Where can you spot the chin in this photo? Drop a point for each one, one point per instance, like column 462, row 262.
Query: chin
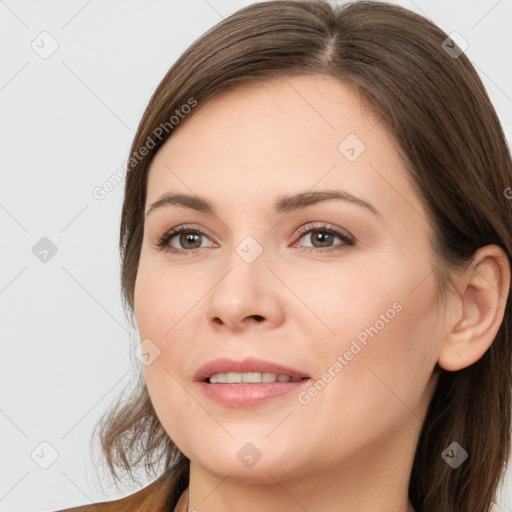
column 244, row 461
column 262, row 473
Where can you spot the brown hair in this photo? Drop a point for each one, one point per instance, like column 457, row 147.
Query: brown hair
column 447, row 130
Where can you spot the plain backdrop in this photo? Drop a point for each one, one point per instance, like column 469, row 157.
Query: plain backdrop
column 75, row 78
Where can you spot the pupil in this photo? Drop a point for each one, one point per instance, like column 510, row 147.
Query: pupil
column 189, row 237
column 326, row 238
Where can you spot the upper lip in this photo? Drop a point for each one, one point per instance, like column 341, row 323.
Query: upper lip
column 250, row 364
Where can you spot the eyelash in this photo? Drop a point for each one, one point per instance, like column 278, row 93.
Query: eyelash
column 348, row 241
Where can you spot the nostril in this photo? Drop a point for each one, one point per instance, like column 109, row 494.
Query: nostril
column 258, row 318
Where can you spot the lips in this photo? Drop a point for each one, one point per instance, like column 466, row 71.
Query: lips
column 236, row 395
column 226, row 365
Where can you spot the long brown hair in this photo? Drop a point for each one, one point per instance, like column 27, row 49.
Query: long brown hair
column 431, row 99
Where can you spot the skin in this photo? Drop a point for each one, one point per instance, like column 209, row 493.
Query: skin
column 351, row 447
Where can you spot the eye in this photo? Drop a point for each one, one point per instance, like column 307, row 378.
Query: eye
column 322, row 236
column 184, row 239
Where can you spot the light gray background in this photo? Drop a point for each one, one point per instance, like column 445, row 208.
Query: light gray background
column 67, row 122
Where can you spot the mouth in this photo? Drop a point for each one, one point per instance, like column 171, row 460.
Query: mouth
column 248, row 382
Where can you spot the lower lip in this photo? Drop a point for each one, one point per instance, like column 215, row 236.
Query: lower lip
column 243, row 395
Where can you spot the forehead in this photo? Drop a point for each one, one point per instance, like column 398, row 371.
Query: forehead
column 283, row 112
column 286, row 135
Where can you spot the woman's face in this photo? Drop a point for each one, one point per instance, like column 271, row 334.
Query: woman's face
column 340, row 292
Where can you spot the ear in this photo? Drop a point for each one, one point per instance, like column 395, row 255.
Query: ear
column 484, row 290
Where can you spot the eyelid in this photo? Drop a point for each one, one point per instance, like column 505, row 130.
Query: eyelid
column 317, row 225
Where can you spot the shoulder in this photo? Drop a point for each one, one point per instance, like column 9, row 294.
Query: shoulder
column 152, row 498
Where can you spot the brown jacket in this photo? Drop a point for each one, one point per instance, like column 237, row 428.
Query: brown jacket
column 155, row 497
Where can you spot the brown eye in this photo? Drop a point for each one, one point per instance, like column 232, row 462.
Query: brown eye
column 322, row 239
column 183, row 240
column 188, row 240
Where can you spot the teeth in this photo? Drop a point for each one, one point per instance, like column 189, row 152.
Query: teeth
column 250, row 377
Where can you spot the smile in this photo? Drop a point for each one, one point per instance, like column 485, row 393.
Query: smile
column 250, row 378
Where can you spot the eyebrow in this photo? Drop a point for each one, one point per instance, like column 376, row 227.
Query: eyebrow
column 283, row 204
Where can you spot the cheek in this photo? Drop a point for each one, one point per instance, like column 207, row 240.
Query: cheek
column 388, row 347
column 357, row 300
column 158, row 312
column 378, row 334
column 162, row 296
column 385, row 371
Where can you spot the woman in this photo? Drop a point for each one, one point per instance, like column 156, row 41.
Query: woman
column 316, row 249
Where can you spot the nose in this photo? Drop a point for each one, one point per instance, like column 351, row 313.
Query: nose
column 246, row 296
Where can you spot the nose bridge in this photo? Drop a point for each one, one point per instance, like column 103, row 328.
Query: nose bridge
column 249, row 250
column 242, row 284
column 246, row 289
column 247, row 253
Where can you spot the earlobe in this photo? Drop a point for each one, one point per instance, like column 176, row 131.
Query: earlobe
column 484, row 292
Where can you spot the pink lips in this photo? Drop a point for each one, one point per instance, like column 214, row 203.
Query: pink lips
column 246, row 394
